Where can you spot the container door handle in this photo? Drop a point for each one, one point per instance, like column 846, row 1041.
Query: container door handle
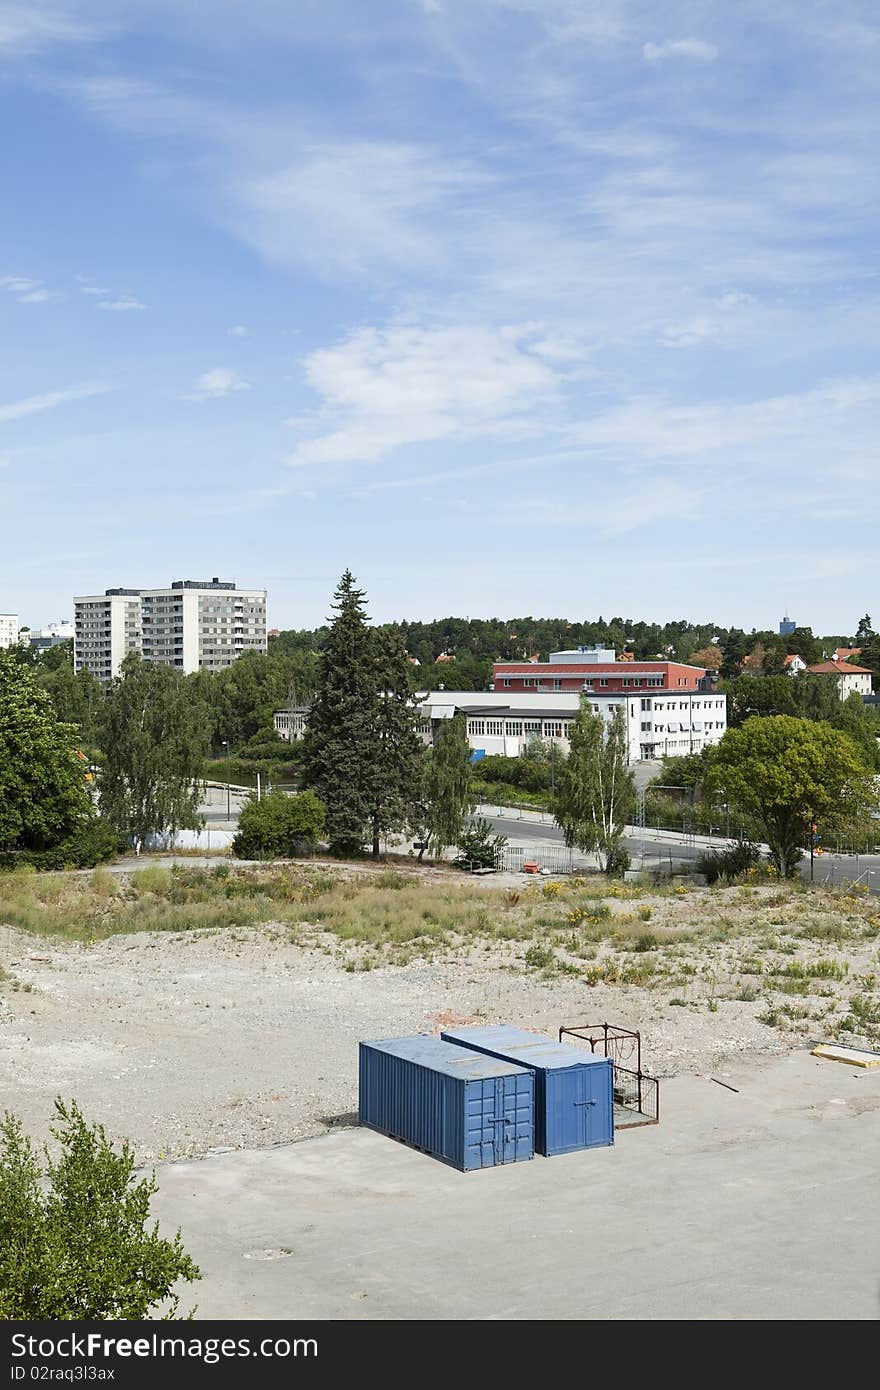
column 585, row 1102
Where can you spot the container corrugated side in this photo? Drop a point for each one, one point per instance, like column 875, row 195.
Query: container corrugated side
column 574, row 1091
column 468, row 1109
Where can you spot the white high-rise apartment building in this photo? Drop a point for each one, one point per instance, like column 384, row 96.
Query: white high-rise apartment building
column 8, row 630
column 195, row 625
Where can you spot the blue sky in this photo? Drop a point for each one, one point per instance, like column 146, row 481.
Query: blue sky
column 561, row 307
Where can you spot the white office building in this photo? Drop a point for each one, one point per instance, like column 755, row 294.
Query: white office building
column 8, row 630
column 193, row 625
column 42, row 638
column 665, row 723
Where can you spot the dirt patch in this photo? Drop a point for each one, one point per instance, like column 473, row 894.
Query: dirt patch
column 190, row 1041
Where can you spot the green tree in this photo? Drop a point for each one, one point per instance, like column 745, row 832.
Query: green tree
column 340, row 741
column 398, row 753
column 765, row 695
column 155, row 739
column 870, row 656
column 44, row 796
column 790, row 773
column 595, row 787
column 279, row 826
column 804, row 644
column 447, row 790
column 864, row 631
column 77, row 698
column 74, row 1238
column 735, row 649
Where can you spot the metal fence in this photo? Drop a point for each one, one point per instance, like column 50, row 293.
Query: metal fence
column 550, row 859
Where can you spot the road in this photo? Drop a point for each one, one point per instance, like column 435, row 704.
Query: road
column 667, row 848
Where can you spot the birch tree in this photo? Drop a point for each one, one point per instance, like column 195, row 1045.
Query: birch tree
column 595, row 787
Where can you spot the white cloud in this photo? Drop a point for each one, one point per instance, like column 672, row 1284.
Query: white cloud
column 34, row 405
column 697, row 49
column 384, row 388
column 216, row 384
column 237, row 331
column 26, row 28
column 26, row 291
column 39, row 296
column 125, row 304
column 350, row 205
column 94, row 289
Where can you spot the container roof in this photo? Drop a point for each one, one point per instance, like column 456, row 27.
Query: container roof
column 531, row 1049
column 445, row 1057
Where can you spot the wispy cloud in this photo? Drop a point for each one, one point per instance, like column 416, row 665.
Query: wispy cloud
column 217, row 383
column 28, row 28
column 237, row 331
column 49, row 400
column 27, row 291
column 124, row 305
column 696, row 49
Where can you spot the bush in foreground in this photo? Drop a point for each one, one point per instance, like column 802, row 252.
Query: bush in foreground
column 279, row 827
column 74, row 1239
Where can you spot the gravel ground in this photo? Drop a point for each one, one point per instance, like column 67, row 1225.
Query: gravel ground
column 202, row 1041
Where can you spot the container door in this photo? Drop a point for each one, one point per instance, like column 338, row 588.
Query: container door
column 594, row 1105
column 514, row 1118
column 505, row 1151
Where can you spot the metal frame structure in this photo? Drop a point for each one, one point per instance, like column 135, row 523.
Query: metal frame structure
column 634, row 1089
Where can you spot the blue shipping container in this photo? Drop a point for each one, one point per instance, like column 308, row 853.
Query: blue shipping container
column 470, row 1110
column 574, row 1091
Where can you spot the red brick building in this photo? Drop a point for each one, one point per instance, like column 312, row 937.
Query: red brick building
column 583, row 671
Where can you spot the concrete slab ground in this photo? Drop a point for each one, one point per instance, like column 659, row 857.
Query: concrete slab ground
column 761, row 1204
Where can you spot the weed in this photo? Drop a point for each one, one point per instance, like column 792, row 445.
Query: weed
column 539, row 957
column 746, row 994
column 813, row 970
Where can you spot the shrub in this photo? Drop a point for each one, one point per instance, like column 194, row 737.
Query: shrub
column 617, row 862
column 279, row 826
column 728, row 863
column 539, row 957
column 74, row 1240
column 94, row 843
column 479, row 848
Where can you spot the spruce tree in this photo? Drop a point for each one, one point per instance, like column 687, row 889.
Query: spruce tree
column 340, row 742
column 595, row 787
column 446, row 787
column 398, row 754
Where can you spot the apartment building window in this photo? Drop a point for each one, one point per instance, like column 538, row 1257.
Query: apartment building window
column 626, row 680
column 646, row 704
column 557, row 683
column 528, row 680
column 603, row 680
column 646, row 728
column 506, row 681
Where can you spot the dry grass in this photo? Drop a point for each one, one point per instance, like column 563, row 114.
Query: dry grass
column 798, row 956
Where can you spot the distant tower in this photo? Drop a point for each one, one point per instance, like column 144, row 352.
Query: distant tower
column 787, row 626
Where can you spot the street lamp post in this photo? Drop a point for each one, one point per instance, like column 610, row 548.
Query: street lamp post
column 228, row 792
